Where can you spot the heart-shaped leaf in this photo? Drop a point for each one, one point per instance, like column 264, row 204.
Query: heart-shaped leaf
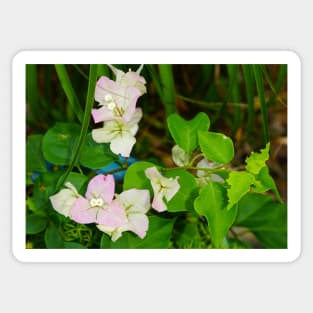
column 185, row 132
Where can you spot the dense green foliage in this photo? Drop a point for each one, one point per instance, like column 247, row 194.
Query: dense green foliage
column 210, row 111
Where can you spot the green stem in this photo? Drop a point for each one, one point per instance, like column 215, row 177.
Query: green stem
column 272, row 87
column 80, row 71
column 126, row 162
column 187, row 167
column 168, row 87
column 195, row 158
column 261, row 93
column 103, row 70
column 155, row 79
column 69, row 91
column 232, row 70
column 32, row 96
column 122, row 168
column 166, row 169
column 85, row 123
column 80, row 170
column 212, row 105
column 250, row 98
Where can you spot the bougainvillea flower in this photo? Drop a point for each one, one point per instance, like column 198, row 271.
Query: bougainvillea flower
column 98, row 206
column 205, row 176
column 116, row 101
column 163, row 187
column 136, row 204
column 130, row 78
column 121, row 135
column 64, row 200
column 180, row 156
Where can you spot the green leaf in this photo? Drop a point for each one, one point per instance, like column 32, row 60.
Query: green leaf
column 30, row 205
column 212, row 203
column 189, row 237
column 249, row 205
column 240, row 183
column 35, row 224
column 34, row 157
column 265, row 182
column 96, row 155
column 158, row 236
column 44, row 187
column 188, row 191
column 135, row 176
column 73, row 245
column 216, row 147
column 265, row 218
column 256, row 161
column 223, row 173
column 53, row 238
column 185, row 132
column 59, row 143
column 77, row 179
column 273, row 239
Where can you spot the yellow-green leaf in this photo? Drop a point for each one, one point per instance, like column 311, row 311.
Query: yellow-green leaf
column 240, row 183
column 256, row 161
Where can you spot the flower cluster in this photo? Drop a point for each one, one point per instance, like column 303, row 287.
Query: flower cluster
column 117, row 100
column 127, row 211
column 113, row 215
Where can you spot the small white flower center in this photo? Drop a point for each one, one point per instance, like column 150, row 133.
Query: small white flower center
column 108, row 98
column 111, row 106
column 96, row 202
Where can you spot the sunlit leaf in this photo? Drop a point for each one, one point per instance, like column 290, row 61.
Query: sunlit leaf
column 216, row 147
column 212, row 204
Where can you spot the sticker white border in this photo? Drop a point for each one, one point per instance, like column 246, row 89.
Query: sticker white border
column 156, row 255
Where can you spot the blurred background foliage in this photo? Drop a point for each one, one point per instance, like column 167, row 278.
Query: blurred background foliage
column 245, row 102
